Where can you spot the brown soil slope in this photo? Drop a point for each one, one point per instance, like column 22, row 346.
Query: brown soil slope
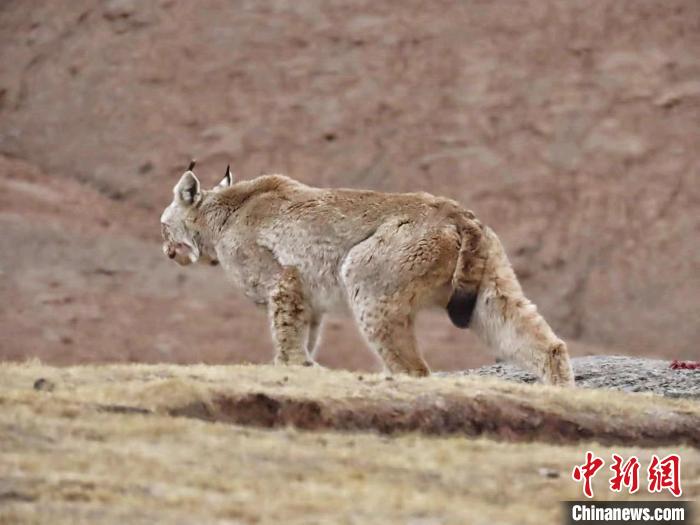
column 570, row 128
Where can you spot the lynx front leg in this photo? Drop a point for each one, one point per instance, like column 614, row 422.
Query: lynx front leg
column 312, row 340
column 290, row 317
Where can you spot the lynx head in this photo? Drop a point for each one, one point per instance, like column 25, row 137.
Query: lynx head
column 181, row 225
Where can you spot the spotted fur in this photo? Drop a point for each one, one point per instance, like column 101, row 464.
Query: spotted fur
column 303, row 252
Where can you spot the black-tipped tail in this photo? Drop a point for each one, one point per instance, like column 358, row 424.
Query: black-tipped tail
column 461, row 307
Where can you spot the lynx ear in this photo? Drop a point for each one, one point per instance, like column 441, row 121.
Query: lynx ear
column 187, row 191
column 227, row 181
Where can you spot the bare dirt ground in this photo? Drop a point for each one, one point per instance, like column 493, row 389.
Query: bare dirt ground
column 144, row 443
column 571, row 129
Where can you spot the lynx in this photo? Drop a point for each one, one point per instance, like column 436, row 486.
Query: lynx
column 303, row 252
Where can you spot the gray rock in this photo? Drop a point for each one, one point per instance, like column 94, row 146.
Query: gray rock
column 629, row 374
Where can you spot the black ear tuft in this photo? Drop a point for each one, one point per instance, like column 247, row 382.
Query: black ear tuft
column 227, row 181
column 191, row 166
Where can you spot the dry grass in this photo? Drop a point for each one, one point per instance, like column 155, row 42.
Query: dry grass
column 323, row 399
column 64, row 459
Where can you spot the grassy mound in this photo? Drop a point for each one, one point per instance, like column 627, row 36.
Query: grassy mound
column 108, row 444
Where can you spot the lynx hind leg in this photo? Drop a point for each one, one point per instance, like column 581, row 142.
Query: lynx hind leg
column 388, row 277
column 559, row 371
column 290, row 318
column 518, row 333
column 511, row 325
column 388, row 327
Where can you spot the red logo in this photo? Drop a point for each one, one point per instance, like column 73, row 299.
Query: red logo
column 665, row 474
column 662, row 474
column 626, row 474
column 586, row 472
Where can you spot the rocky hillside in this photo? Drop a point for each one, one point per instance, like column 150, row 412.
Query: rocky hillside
column 571, row 128
column 627, row 374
